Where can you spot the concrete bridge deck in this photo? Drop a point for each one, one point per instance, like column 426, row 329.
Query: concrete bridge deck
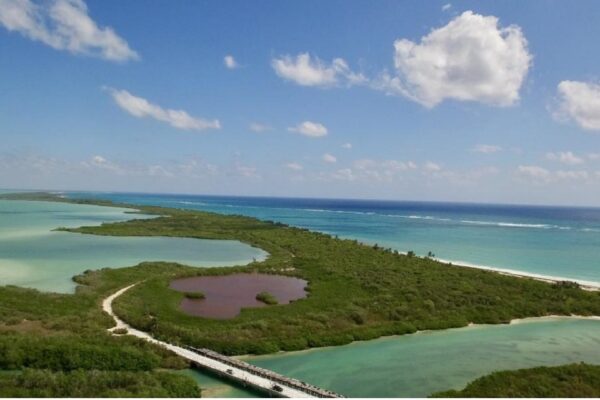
column 246, row 374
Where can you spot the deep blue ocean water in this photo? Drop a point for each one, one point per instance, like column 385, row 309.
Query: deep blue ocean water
column 552, row 241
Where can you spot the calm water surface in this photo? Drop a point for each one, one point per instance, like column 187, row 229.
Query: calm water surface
column 225, row 296
column 552, row 241
column 421, row 364
column 543, row 240
column 33, row 255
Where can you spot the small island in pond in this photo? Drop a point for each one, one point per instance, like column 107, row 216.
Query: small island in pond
column 340, row 291
column 223, row 297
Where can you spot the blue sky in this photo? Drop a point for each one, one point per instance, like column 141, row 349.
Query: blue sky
column 460, row 101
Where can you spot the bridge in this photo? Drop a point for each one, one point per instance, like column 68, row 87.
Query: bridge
column 263, row 380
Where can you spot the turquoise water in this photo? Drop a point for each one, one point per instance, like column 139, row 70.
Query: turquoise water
column 427, row 362
column 543, row 240
column 216, row 387
column 32, row 255
column 552, row 241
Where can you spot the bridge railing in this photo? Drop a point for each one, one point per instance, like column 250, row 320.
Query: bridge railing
column 265, row 373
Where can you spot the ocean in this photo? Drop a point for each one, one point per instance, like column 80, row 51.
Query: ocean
column 551, row 241
column 557, row 242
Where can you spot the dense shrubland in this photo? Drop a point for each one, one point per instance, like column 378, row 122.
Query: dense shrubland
column 356, row 292
column 81, row 383
column 574, row 380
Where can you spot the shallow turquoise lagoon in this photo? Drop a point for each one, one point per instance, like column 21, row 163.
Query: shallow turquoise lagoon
column 217, row 387
column 420, row 364
column 33, row 255
column 557, row 242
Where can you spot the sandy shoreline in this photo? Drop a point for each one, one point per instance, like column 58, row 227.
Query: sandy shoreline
column 250, row 357
column 517, row 321
column 585, row 285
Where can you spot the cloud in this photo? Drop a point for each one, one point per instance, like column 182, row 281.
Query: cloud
column 370, row 171
column 572, row 175
column 347, row 146
column 230, row 62
column 580, row 101
column 565, row 157
column 311, row 129
column 99, row 160
column 542, row 175
column 142, row 108
column 486, row 149
column 328, row 158
column 307, row 71
column 594, row 156
column 446, row 7
column 344, row 174
column 432, row 167
column 103, row 163
column 373, row 170
column 294, row 166
column 247, row 171
column 64, row 25
column 469, row 59
column 258, row 127
column 535, row 172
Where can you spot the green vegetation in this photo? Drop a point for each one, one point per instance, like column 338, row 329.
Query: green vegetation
column 574, row 380
column 63, row 353
column 79, row 383
column 356, row 292
column 567, row 285
column 267, row 298
column 120, row 331
column 194, row 295
column 66, row 364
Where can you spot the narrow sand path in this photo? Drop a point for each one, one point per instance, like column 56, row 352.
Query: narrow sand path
column 222, row 366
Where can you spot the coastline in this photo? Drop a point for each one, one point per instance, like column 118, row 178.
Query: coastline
column 516, row 321
column 584, row 284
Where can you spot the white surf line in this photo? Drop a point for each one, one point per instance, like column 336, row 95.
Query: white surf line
column 591, row 286
column 585, row 285
column 218, row 367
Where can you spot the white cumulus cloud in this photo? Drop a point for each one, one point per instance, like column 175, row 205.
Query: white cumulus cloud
column 565, row 157
column 258, row 127
column 580, row 101
column 294, row 166
column 594, row 156
column 471, row 58
column 142, row 108
column 535, row 172
column 230, row 62
column 311, row 129
column 311, row 71
column 64, row 25
column 486, row 149
column 432, row 167
column 572, row 175
column 329, row 158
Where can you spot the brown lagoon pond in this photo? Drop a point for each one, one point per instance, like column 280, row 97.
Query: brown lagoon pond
column 225, row 296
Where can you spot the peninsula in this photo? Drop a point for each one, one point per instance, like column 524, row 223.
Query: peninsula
column 355, row 292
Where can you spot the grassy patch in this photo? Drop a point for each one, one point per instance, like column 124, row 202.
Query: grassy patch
column 267, row 298
column 194, row 295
